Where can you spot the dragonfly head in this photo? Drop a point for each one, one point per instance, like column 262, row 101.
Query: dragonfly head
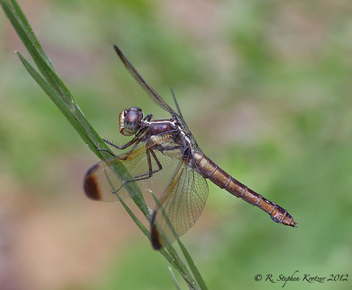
column 130, row 121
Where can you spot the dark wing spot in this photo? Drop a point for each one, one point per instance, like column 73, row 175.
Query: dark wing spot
column 154, row 235
column 91, row 187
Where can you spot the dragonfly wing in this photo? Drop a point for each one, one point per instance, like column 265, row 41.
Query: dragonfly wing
column 179, row 207
column 102, row 183
column 150, row 91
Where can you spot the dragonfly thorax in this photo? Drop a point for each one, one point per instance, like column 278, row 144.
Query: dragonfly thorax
column 130, row 121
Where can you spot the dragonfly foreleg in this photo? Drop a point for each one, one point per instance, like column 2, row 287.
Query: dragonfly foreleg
column 106, row 150
column 128, row 144
column 119, row 147
column 127, row 154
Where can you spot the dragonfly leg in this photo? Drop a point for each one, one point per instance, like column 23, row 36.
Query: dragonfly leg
column 156, row 160
column 120, row 147
column 148, row 117
column 106, row 150
column 150, row 173
column 128, row 144
column 122, row 156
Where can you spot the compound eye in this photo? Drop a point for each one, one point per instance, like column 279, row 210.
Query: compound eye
column 130, row 121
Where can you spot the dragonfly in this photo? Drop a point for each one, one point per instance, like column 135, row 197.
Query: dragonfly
column 154, row 147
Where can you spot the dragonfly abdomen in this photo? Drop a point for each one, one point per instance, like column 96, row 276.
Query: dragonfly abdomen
column 219, row 177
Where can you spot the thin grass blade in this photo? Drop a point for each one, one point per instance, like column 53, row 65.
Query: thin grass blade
column 174, row 278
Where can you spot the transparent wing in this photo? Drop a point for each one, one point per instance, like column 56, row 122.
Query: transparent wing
column 101, row 182
column 150, row 91
column 179, row 207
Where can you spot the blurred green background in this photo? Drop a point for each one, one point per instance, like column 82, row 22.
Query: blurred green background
column 265, row 87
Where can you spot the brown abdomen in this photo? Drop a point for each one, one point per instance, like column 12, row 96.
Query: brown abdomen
column 218, row 176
